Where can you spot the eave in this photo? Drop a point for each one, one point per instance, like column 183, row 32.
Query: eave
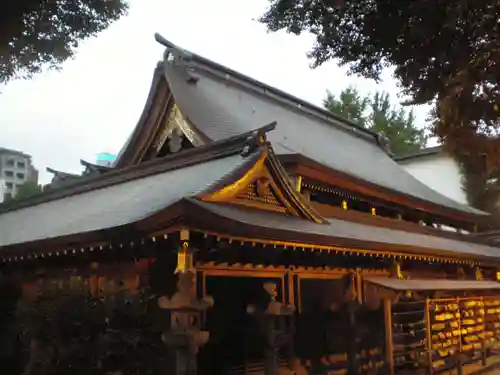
column 206, row 218
column 304, row 166
column 116, row 176
column 150, row 123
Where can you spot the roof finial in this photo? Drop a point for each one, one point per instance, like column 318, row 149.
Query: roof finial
column 383, row 142
column 253, row 142
column 256, row 139
column 172, row 51
column 164, row 42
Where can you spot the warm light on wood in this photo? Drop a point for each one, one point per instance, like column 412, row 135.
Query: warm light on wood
column 185, row 262
column 299, row 183
column 389, row 350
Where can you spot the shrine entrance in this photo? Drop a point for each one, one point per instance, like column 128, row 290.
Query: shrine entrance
column 236, row 345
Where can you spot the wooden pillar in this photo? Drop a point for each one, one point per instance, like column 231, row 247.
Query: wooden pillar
column 459, row 356
column 389, row 350
column 298, row 183
column 352, row 307
column 428, row 335
column 484, row 340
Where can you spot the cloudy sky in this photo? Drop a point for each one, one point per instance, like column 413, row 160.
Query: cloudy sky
column 95, row 101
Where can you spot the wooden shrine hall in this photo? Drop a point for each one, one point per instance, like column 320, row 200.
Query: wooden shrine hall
column 244, row 231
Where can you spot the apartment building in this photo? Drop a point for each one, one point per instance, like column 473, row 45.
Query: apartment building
column 16, row 168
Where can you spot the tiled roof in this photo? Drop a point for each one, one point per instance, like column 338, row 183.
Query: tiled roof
column 346, row 233
column 222, row 103
column 111, row 206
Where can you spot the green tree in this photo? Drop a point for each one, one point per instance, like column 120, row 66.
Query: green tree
column 26, row 190
column 376, row 113
column 444, row 52
column 350, row 105
column 44, row 33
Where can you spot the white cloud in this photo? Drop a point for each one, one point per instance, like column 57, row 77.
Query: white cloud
column 94, row 102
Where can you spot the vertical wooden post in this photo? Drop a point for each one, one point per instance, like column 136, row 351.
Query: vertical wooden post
column 203, row 284
column 283, row 290
column 291, row 289
column 276, row 326
column 299, row 294
column 459, row 361
column 389, row 350
column 298, row 183
column 484, row 348
column 359, row 286
column 428, row 335
column 352, row 361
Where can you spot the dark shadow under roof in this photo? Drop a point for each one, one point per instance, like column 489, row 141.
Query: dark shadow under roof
column 432, row 284
column 347, row 233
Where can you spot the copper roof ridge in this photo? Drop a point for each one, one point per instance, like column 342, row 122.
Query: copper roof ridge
column 223, row 148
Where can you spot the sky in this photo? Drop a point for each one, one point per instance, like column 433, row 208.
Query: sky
column 95, row 101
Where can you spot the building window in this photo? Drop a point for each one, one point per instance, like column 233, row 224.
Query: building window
column 9, row 185
column 7, row 196
column 9, row 174
column 9, row 162
column 21, row 164
column 20, row 175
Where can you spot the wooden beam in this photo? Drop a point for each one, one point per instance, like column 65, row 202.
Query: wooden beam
column 389, row 350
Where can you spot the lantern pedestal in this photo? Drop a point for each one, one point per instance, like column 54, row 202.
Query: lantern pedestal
column 277, row 325
column 186, row 315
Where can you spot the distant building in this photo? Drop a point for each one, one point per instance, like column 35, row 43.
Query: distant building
column 2, row 190
column 105, row 159
column 16, row 169
column 436, row 169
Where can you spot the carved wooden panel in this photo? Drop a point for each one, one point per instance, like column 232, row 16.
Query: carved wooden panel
column 259, row 192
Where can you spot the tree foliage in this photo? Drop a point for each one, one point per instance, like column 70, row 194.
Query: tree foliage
column 65, row 330
column 24, row 191
column 444, row 52
column 438, row 48
column 375, row 112
column 28, row 189
column 350, row 105
column 44, row 33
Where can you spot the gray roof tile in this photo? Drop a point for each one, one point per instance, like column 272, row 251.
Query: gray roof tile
column 111, row 206
column 339, row 229
column 222, row 103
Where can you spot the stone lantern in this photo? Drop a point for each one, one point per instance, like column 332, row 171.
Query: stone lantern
column 185, row 334
column 277, row 325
